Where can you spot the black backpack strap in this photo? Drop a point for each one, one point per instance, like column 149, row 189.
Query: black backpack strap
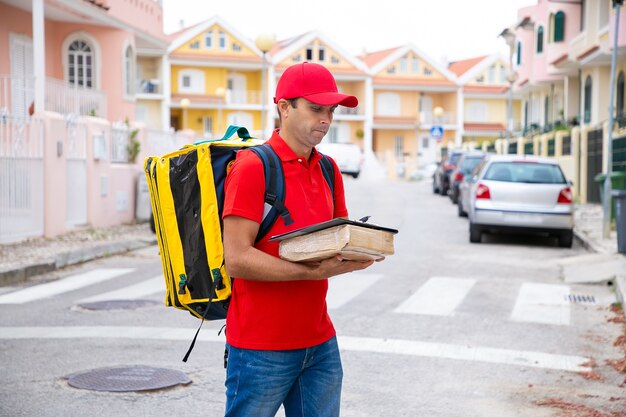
column 329, row 173
column 275, row 189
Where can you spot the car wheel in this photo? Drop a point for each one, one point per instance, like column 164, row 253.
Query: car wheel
column 475, row 234
column 454, row 196
column 566, row 239
column 460, row 210
column 356, row 175
column 444, row 189
column 435, row 189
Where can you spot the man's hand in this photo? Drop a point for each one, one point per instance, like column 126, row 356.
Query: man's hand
column 336, row 266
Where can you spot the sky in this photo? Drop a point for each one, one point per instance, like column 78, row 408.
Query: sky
column 444, row 30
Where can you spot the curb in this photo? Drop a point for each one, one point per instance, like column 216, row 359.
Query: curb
column 21, row 274
column 619, row 280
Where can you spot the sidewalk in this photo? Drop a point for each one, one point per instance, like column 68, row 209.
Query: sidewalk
column 20, row 261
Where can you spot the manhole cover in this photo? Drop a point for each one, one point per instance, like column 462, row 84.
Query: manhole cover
column 118, row 304
column 128, row 379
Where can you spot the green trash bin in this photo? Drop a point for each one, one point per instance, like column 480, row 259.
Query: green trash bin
column 618, row 182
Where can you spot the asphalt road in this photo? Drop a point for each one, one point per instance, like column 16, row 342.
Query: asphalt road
column 443, row 328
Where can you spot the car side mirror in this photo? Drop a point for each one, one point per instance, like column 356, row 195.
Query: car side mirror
column 570, row 183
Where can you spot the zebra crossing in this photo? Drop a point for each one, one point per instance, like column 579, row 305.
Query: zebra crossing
column 437, row 296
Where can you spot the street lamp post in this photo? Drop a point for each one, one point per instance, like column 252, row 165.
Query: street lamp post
column 509, row 37
column 264, row 43
column 220, row 92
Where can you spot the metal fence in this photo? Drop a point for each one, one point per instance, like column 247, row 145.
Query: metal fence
column 21, row 178
column 65, row 98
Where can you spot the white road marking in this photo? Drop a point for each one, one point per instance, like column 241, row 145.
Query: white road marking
column 439, row 296
column 132, row 292
column 542, row 303
column 346, row 343
column 71, row 283
column 342, row 289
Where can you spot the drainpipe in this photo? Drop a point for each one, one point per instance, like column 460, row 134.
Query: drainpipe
column 606, row 203
column 39, row 54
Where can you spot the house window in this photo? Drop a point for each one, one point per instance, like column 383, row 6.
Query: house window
column 477, row 111
column 207, row 124
column 480, row 79
column 399, row 146
column 222, row 40
column 619, row 105
column 80, row 64
column 191, row 81
column 492, row 74
column 236, row 47
column 208, row 40
column 309, row 53
column 391, row 70
column 129, row 69
column 503, row 75
column 587, row 100
column 388, row 104
column 427, row 71
column 194, row 45
column 296, row 58
column 415, row 65
column 321, row 54
column 559, row 27
column 404, row 65
column 333, row 135
column 334, row 60
column 540, row 39
column 519, row 53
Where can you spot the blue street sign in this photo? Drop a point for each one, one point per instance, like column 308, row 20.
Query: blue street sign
column 436, row 132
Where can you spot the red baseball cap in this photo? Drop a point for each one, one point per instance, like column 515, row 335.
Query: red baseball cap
column 313, row 82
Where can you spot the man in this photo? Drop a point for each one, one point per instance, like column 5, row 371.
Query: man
column 280, row 340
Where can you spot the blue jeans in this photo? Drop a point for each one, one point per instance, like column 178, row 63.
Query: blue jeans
column 307, row 381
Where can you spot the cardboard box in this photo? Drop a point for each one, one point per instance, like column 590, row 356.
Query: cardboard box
column 352, row 240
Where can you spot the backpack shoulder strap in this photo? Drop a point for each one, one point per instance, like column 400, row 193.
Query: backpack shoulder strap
column 329, row 173
column 275, row 189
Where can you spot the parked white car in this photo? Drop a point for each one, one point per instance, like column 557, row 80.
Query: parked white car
column 348, row 156
column 518, row 194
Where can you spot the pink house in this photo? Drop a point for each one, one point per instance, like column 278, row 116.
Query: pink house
column 69, row 76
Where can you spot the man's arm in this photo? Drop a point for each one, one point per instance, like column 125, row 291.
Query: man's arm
column 244, row 261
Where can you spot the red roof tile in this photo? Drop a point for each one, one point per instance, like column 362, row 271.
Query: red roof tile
column 483, row 127
column 461, row 67
column 488, row 89
column 374, row 58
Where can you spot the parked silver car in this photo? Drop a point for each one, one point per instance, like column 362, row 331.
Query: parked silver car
column 519, row 194
column 348, row 156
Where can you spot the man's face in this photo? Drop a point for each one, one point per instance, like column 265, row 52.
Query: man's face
column 307, row 122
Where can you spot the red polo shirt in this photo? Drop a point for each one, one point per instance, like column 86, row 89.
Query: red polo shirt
column 280, row 315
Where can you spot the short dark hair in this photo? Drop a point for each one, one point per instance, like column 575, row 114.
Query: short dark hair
column 293, row 102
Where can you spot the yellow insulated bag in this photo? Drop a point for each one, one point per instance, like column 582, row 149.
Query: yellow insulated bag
column 187, row 196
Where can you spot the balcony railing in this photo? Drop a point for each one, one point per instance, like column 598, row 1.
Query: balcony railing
column 17, row 96
column 428, row 118
column 66, row 98
column 243, row 97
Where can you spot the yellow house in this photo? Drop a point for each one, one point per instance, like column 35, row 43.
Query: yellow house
column 216, row 79
column 485, row 99
column 411, row 94
column 349, row 124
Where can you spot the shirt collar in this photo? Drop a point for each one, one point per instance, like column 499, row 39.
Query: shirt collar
column 285, row 153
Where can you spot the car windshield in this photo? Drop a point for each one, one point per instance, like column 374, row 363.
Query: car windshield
column 469, row 163
column 527, row 172
column 454, row 158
